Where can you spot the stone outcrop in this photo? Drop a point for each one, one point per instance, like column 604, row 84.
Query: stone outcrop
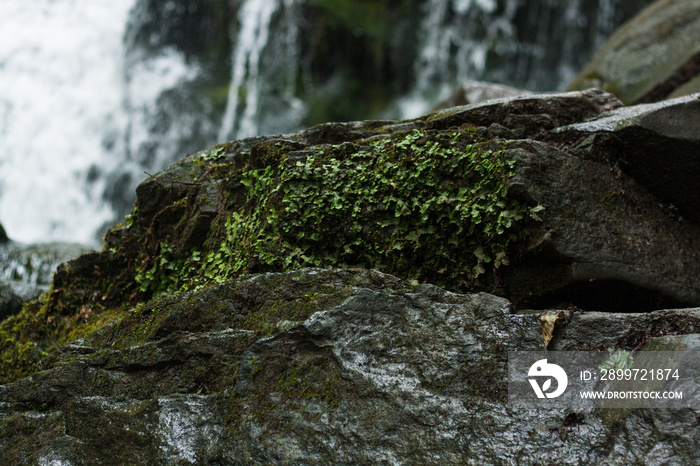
column 337, row 367
column 276, row 299
column 652, row 57
column 3, row 236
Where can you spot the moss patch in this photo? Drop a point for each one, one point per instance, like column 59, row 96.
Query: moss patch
column 427, row 206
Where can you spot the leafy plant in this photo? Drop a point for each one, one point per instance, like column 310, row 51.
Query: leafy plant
column 426, row 207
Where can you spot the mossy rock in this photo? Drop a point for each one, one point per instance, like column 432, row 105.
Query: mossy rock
column 652, row 57
column 441, row 199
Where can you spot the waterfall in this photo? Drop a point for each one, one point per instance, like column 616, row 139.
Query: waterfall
column 59, row 97
column 537, row 45
column 253, row 78
column 254, row 17
column 75, row 117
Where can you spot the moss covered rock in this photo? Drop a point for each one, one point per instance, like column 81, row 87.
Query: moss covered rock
column 454, row 198
column 328, row 366
column 248, row 310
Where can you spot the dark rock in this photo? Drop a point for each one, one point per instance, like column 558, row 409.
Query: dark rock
column 654, row 56
column 603, row 240
column 10, row 302
column 3, row 235
column 656, row 144
column 344, row 367
column 528, row 116
column 474, row 92
column 187, row 339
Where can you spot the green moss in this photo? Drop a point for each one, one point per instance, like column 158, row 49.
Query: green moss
column 426, row 206
column 37, row 332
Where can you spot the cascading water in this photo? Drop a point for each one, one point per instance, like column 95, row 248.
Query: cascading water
column 537, row 45
column 255, row 19
column 94, row 93
column 60, row 95
column 70, row 114
column 254, row 75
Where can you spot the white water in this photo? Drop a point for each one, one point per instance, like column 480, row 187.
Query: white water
column 254, row 18
column 78, row 111
column 251, row 78
column 70, row 112
column 59, row 91
column 446, row 44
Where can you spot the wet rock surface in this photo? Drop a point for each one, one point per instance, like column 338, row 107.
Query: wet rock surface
column 656, row 144
column 357, row 366
column 200, row 335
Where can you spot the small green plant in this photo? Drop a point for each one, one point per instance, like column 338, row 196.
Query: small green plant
column 167, row 270
column 423, row 207
column 217, row 153
column 617, row 359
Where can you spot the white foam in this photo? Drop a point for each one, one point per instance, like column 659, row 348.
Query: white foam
column 60, row 92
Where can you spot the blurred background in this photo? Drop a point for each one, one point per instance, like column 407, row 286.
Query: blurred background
column 94, row 93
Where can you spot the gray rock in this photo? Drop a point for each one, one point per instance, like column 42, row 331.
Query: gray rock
column 10, row 302
column 651, row 57
column 529, row 115
column 657, row 144
column 604, row 242
column 357, row 366
column 374, row 370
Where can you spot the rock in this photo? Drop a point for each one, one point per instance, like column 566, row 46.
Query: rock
column 248, row 310
column 3, row 236
column 654, row 56
column 541, row 226
column 604, row 243
column 656, row 144
column 10, row 302
column 329, row 366
column 528, row 116
column 474, row 92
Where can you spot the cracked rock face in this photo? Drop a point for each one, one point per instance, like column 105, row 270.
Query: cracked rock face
column 656, row 144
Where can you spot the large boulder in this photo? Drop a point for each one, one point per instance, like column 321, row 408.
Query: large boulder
column 603, row 244
column 652, row 57
column 248, row 310
column 330, row 367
